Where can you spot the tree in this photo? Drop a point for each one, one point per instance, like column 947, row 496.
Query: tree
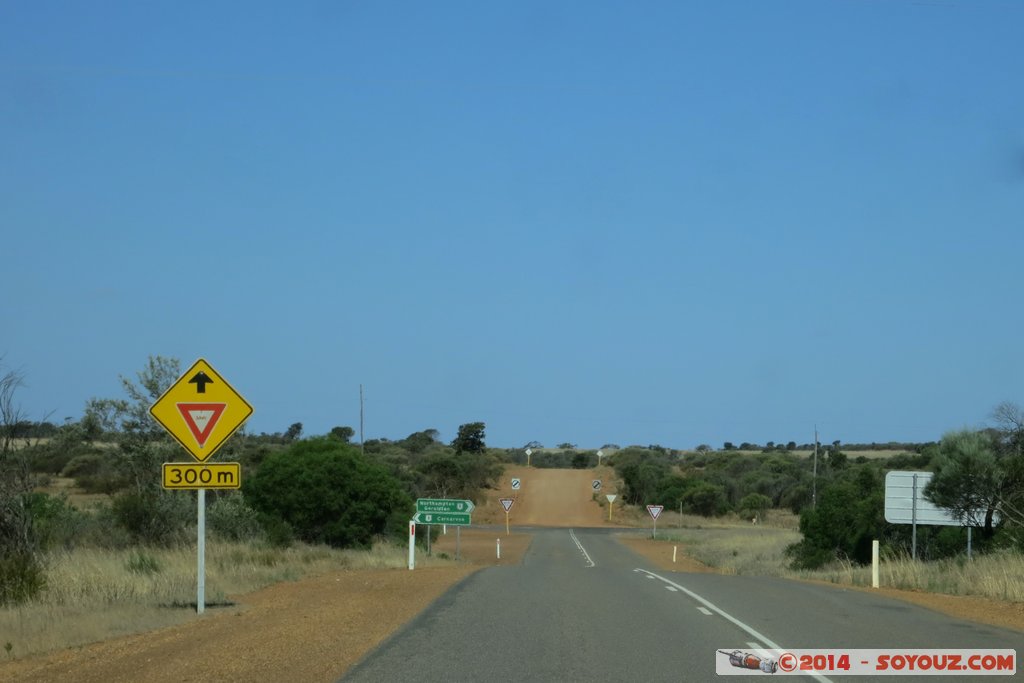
column 343, row 434
column 21, row 572
column 417, row 442
column 470, row 438
column 728, row 446
column 836, row 459
column 142, row 443
column 294, row 432
column 973, row 480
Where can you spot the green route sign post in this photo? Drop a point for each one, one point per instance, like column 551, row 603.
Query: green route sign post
column 444, row 511
column 449, row 518
column 441, row 505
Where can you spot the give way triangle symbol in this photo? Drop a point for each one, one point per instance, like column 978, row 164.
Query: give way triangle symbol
column 201, row 418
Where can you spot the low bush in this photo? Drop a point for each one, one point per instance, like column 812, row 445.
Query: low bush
column 21, row 578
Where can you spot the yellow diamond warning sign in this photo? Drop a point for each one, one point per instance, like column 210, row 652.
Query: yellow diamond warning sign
column 201, row 410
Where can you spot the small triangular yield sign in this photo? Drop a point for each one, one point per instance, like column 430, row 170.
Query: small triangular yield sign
column 201, row 418
column 655, row 510
column 507, row 503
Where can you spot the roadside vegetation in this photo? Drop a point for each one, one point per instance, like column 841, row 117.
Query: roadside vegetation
column 977, row 475
column 94, row 593
column 118, row 554
column 731, row 546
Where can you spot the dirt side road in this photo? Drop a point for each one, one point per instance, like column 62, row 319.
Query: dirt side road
column 548, row 497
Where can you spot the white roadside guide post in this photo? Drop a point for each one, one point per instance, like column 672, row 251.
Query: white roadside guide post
column 874, row 564
column 201, row 411
column 412, row 545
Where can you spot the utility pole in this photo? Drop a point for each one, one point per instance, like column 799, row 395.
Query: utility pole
column 362, row 447
column 814, row 484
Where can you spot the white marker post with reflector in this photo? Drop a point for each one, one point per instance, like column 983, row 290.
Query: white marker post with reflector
column 412, row 545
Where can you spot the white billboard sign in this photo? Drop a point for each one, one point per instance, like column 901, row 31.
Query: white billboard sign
column 903, row 507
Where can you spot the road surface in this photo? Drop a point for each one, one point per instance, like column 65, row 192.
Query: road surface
column 582, row 607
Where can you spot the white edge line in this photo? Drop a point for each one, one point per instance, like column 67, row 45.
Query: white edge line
column 728, row 617
column 582, row 549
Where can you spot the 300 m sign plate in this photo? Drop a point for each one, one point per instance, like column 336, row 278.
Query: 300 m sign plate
column 193, row 475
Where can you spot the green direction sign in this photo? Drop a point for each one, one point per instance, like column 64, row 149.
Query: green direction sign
column 444, row 505
column 450, row 518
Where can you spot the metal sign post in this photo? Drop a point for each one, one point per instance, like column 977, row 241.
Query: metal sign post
column 913, row 522
column 201, row 552
column 507, row 503
column 655, row 512
column 201, row 411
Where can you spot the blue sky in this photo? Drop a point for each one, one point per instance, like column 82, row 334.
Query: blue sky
column 595, row 222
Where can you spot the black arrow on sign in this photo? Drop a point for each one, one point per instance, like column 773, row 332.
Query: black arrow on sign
column 200, row 379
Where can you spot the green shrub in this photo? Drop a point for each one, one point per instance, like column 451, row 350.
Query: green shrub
column 105, row 482
column 231, row 519
column 706, row 499
column 88, row 464
column 162, row 518
column 754, row 505
column 279, row 533
column 329, row 493
column 21, row 578
column 56, row 522
column 849, row 515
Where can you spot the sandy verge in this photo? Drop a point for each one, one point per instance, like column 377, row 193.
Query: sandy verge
column 308, row 630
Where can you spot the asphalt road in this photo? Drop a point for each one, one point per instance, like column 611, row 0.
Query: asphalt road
column 582, row 607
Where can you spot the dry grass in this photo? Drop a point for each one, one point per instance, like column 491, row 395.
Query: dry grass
column 737, row 549
column 93, row 594
column 999, row 576
column 750, row 549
